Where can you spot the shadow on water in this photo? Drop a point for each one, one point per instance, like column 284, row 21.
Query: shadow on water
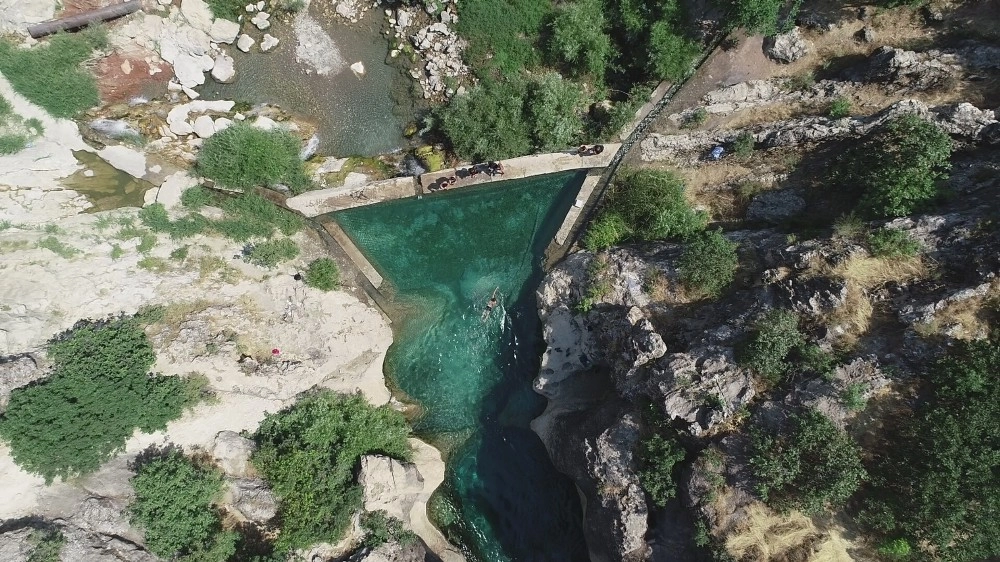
column 444, row 255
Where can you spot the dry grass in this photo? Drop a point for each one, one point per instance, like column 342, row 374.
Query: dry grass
column 965, row 319
column 766, row 535
column 771, row 113
column 657, row 285
column 869, row 272
column 168, row 325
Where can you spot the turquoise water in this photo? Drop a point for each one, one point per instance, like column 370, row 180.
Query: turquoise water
column 444, row 256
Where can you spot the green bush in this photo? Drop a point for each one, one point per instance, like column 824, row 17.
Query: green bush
column 840, row 107
column 12, row 143
column 323, row 274
column 502, row 34
column 776, row 336
column 671, row 55
column 99, row 392
column 937, row 485
column 695, row 119
column 743, row 146
column 709, row 263
column 896, row 167
column 196, row 197
column 46, row 546
column 156, row 219
column 173, row 503
column 271, row 253
column 892, row 243
column 609, row 229
column 811, row 466
column 854, row 397
column 488, row 123
column 658, row 457
column 250, row 215
column 651, row 204
column 895, row 548
column 578, row 39
column 758, row 17
column 310, row 453
column 243, row 157
column 553, row 108
column 227, row 9
column 59, row 247
column 50, row 75
column 381, row 528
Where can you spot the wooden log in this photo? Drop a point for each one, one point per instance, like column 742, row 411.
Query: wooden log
column 81, row 20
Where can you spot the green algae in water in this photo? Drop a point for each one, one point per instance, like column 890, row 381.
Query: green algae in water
column 444, row 255
column 108, row 188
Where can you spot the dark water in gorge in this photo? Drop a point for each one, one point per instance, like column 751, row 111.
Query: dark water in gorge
column 355, row 116
column 444, row 255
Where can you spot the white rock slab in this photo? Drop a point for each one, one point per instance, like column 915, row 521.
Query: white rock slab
column 204, row 127
column 244, row 43
column 224, row 31
column 223, row 71
column 268, row 42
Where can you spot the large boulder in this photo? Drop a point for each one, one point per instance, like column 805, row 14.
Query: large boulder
column 224, row 31
column 223, row 70
column 232, row 453
column 252, row 498
column 909, row 70
column 787, row 47
column 390, row 485
column 393, row 551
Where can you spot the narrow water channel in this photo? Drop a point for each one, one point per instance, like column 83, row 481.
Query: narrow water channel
column 444, row 255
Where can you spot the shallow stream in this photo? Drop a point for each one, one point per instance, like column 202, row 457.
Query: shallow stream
column 471, row 373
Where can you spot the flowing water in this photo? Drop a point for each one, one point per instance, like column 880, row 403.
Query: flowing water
column 444, row 256
column 355, row 115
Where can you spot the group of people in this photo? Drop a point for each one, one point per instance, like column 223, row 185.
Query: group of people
column 490, row 168
column 585, row 150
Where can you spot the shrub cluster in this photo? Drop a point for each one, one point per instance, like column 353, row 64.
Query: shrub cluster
column 809, row 466
column 892, row 243
column 644, row 205
column 777, row 349
column 381, row 528
column 173, row 505
column 310, row 452
column 323, row 274
column 243, row 157
column 99, row 392
column 896, row 167
column 709, row 263
column 658, row 457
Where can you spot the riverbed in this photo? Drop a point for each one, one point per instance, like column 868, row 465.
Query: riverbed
column 443, row 257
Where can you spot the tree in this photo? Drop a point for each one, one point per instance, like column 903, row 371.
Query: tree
column 776, row 336
column 709, row 262
column 99, row 392
column 173, row 503
column 488, row 123
column 651, row 204
column 658, row 456
column 670, row 53
column 938, row 485
column 309, row 453
column 553, row 108
column 578, row 37
column 896, row 167
column 810, row 466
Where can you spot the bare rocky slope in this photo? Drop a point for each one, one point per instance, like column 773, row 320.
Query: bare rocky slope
column 645, row 346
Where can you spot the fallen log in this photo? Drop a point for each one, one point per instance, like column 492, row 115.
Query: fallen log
column 81, row 20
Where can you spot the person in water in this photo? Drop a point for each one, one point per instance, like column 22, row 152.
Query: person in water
column 490, row 305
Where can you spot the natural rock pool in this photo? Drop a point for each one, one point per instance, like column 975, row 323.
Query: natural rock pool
column 444, row 255
column 355, row 115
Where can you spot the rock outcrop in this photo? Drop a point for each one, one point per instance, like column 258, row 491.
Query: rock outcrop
column 787, row 47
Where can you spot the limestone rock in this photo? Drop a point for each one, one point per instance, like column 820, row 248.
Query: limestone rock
column 190, row 70
column 265, row 123
column 224, row 31
column 169, row 194
column 395, row 552
column 268, row 42
column 253, row 499
column 223, row 70
column 16, row 372
column 232, row 453
column 787, row 47
column 244, row 43
column 262, row 20
column 908, row 70
column 221, row 123
column 776, row 206
column 866, row 35
column 204, row 127
column 198, row 14
column 389, row 485
column 358, row 68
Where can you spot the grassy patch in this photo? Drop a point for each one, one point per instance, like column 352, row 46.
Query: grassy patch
column 598, row 282
column 153, row 264
column 892, row 243
column 323, row 274
column 840, row 107
column 228, row 9
column 502, row 34
column 116, row 252
column 271, row 253
column 50, row 74
column 46, row 545
column 243, row 157
column 61, row 249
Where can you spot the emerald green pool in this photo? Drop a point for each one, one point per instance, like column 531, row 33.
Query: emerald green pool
column 444, row 255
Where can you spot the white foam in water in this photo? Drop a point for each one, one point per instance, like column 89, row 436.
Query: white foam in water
column 315, row 48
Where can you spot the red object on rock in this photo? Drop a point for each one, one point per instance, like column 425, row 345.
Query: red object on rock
column 275, row 351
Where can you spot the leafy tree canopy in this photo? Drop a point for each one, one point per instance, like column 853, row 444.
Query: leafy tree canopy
column 658, row 456
column 651, row 205
column 309, row 453
column 810, row 466
column 709, row 262
column 896, row 167
column 756, row 16
column 99, row 392
column 173, row 503
column 578, row 37
column 939, row 484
